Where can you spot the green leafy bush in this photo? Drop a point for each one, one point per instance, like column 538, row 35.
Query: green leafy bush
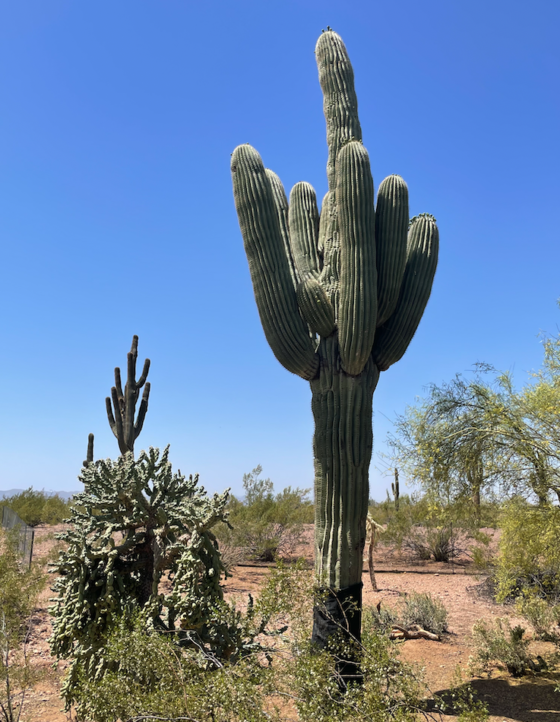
column 424, row 610
column 37, row 507
column 19, row 588
column 151, row 675
column 528, row 560
column 265, row 525
column 543, row 616
column 502, row 644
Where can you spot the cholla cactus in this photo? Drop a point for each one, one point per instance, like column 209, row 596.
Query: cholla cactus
column 340, row 294
column 137, row 525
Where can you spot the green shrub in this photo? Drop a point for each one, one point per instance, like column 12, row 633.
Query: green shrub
column 424, row 610
column 265, row 525
column 502, row 644
column 439, row 544
column 151, row 675
column 37, row 507
column 543, row 616
column 528, row 561
column 19, row 588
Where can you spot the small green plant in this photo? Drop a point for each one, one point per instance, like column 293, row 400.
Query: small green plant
column 19, row 588
column 425, row 611
column 439, row 543
column 501, row 644
column 265, row 525
column 36, row 507
column 543, row 616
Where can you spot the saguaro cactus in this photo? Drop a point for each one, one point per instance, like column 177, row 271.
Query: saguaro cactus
column 122, row 423
column 395, row 488
column 340, row 295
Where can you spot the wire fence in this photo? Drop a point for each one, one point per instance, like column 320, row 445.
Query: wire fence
column 26, row 533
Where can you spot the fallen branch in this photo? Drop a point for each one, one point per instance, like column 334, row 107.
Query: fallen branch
column 413, row 632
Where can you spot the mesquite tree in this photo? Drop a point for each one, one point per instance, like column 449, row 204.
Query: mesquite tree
column 340, row 294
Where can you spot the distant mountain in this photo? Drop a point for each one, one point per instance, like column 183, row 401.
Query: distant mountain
column 62, row 494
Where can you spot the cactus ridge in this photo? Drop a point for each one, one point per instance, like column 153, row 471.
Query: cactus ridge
column 342, row 444
column 281, row 204
column 391, row 232
column 358, row 282
column 304, row 229
column 340, row 103
column 284, row 328
column 394, row 336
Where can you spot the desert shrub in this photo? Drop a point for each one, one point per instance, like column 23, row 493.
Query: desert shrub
column 543, row 616
column 399, row 523
column 37, row 507
column 151, row 675
column 382, row 618
column 19, row 588
column 502, row 644
column 437, row 543
column 265, row 525
column 528, row 559
column 424, row 610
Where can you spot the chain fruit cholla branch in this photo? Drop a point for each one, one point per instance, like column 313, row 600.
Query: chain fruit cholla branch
column 340, row 295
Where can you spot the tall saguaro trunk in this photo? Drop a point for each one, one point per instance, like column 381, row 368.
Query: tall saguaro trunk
column 342, row 445
column 340, row 294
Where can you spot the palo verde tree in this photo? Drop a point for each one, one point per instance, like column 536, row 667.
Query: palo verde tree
column 340, row 295
column 449, row 442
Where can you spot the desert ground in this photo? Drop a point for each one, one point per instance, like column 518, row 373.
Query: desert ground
column 463, row 592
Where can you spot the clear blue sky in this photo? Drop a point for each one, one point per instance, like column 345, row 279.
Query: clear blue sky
column 117, row 215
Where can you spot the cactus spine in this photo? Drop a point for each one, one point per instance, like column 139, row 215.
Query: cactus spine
column 340, row 294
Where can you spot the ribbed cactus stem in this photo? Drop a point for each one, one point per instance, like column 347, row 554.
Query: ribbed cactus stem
column 89, row 454
column 396, row 489
column 340, row 102
column 358, row 281
column 391, row 230
column 282, row 212
column 276, row 299
column 342, row 445
column 392, row 339
column 304, row 229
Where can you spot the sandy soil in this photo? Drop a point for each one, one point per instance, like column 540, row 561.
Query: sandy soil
column 529, row 699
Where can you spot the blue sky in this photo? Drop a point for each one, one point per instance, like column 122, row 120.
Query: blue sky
column 117, row 215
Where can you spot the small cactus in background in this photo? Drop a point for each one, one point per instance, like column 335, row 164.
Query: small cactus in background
column 122, row 411
column 340, row 294
column 395, row 489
